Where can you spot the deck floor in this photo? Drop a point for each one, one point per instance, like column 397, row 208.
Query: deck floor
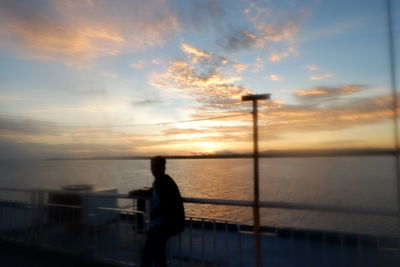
column 118, row 245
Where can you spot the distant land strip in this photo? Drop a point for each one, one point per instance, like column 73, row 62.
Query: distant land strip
column 265, row 154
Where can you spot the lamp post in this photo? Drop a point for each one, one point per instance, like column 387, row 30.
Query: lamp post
column 256, row 202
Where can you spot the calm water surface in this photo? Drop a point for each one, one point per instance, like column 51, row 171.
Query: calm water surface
column 367, row 182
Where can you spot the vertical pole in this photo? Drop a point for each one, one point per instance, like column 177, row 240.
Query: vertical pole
column 256, row 208
column 256, row 202
column 395, row 106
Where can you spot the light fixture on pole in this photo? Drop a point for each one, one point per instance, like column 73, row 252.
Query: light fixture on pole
column 256, row 202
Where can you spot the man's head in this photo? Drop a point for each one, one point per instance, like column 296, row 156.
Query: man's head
column 158, row 166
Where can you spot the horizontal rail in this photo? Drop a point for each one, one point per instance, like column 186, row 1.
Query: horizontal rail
column 293, row 206
column 64, row 206
column 69, row 192
column 214, row 201
column 328, row 208
column 122, row 210
column 232, row 202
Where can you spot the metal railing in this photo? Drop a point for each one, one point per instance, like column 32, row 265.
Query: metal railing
column 207, row 241
column 108, row 233
column 113, row 230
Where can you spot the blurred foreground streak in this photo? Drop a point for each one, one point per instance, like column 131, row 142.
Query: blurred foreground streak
column 105, row 228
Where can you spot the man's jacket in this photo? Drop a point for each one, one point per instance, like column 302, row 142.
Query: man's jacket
column 170, row 207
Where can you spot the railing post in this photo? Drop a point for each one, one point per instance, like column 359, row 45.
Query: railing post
column 33, row 198
column 147, row 215
column 84, row 226
column 40, row 214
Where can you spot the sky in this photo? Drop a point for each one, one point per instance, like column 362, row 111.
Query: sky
column 84, row 78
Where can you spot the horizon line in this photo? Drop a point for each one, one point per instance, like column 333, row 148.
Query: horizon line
column 264, row 154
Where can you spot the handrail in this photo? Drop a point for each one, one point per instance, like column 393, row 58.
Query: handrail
column 230, row 202
column 328, row 208
column 69, row 192
column 293, row 206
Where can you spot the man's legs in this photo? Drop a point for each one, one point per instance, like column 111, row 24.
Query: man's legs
column 155, row 248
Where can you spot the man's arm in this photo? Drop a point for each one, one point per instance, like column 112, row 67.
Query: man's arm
column 144, row 193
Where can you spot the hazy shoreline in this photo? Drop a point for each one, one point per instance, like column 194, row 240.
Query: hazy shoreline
column 267, row 154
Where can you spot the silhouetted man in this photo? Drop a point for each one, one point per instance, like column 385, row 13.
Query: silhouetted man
column 167, row 215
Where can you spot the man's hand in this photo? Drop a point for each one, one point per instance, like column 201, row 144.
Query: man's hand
column 146, row 193
column 132, row 193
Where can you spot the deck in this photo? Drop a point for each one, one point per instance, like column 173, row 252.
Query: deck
column 44, row 234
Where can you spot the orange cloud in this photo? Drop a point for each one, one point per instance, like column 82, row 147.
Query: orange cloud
column 278, row 119
column 323, row 92
column 239, row 67
column 311, row 92
column 203, row 81
column 321, row 76
column 348, row 114
column 76, row 34
column 278, row 56
column 194, row 51
column 274, row 77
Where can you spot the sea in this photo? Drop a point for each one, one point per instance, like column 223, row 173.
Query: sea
column 367, row 182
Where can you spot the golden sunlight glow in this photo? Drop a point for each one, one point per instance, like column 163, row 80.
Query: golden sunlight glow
column 208, row 147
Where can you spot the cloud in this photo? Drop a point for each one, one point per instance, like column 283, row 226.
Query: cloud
column 311, row 117
column 278, row 56
column 277, row 120
column 90, row 91
column 138, row 65
column 146, row 102
column 311, row 67
column 7, row 98
column 240, row 67
column 156, row 61
column 274, row 77
column 200, row 15
column 76, row 34
column 282, row 31
column 328, row 92
column 321, row 76
column 11, row 149
column 22, row 137
column 258, row 65
column 94, row 92
column 15, row 127
column 204, row 81
column 109, row 75
column 268, row 29
column 194, row 51
column 224, row 134
column 239, row 39
column 197, row 56
column 264, row 35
